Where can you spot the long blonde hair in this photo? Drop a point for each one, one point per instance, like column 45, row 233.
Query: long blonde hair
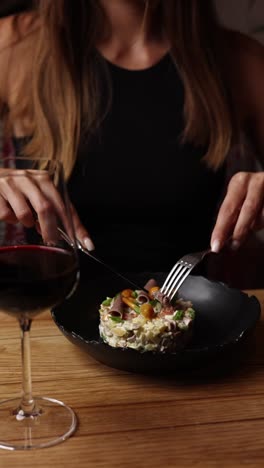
column 66, row 81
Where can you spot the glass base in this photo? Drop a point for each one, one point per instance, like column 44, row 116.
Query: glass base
column 52, row 423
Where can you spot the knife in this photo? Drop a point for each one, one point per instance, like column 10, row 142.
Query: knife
column 100, row 261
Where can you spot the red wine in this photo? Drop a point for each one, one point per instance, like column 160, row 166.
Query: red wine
column 33, row 277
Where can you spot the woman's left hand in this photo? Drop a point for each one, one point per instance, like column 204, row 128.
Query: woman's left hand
column 241, row 211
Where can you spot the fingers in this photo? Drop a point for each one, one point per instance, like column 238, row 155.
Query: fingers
column 240, row 210
column 250, row 210
column 30, row 197
column 6, row 212
column 51, row 193
column 53, row 198
column 22, row 194
column 18, row 202
column 81, row 233
column 229, row 212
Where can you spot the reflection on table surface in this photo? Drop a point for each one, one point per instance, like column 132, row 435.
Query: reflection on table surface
column 135, row 420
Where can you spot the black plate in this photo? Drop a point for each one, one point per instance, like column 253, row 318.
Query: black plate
column 224, row 319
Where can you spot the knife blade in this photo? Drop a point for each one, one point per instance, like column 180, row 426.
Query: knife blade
column 110, row 268
column 100, row 261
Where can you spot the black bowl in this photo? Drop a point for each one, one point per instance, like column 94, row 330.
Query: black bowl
column 225, row 317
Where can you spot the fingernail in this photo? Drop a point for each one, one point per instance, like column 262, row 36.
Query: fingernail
column 88, row 244
column 235, row 245
column 216, row 246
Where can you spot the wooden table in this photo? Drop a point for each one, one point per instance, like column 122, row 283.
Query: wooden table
column 128, row 420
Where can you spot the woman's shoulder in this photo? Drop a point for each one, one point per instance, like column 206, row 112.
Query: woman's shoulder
column 245, row 52
column 17, row 33
column 245, row 72
column 245, row 69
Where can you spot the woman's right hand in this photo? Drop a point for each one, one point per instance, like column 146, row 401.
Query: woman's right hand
column 29, row 196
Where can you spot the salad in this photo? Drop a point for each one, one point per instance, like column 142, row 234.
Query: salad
column 145, row 320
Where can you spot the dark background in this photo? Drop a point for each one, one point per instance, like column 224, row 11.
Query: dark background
column 9, row 7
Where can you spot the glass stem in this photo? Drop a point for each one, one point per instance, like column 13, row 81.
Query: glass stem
column 27, row 403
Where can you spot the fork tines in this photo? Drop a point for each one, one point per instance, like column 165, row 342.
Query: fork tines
column 180, row 271
column 175, row 278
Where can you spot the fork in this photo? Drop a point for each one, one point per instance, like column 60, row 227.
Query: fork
column 180, row 271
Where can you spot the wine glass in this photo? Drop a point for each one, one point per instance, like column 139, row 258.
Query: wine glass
column 38, row 270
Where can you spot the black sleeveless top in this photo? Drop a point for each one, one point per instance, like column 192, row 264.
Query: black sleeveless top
column 145, row 197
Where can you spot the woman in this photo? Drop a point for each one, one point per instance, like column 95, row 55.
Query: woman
column 142, row 101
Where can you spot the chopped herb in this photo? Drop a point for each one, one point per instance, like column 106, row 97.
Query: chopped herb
column 107, row 301
column 157, row 306
column 153, row 302
column 136, row 309
column 134, row 294
column 191, row 313
column 178, row 315
column 116, row 319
